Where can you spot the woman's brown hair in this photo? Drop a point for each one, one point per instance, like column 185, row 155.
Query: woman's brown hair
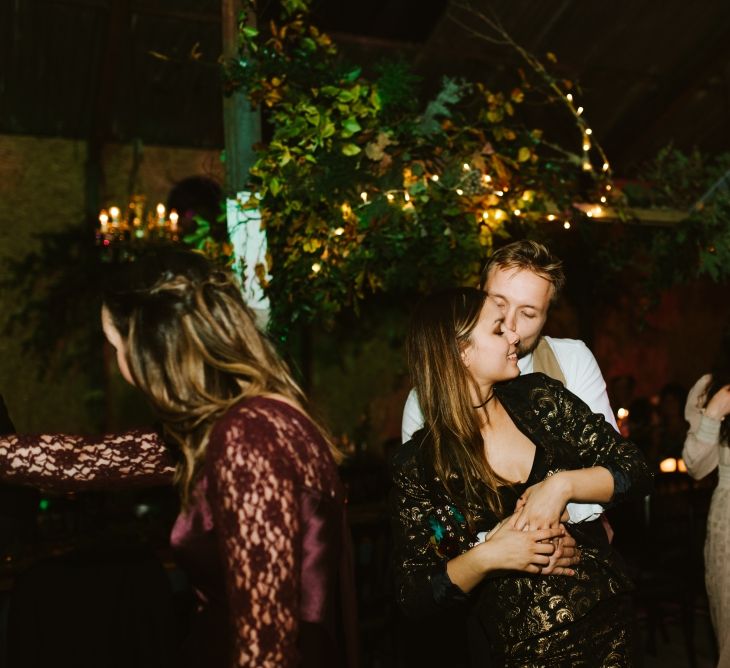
column 440, row 329
column 192, row 347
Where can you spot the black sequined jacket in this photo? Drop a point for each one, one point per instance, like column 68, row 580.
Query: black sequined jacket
column 430, row 528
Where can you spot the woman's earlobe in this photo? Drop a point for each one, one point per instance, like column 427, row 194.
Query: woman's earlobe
column 465, row 356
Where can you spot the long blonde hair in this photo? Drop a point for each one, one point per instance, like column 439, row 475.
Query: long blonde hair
column 193, row 348
column 440, row 329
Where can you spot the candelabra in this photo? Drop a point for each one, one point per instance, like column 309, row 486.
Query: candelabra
column 120, row 231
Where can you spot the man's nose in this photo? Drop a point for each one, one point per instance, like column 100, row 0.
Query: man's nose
column 510, row 321
column 512, row 337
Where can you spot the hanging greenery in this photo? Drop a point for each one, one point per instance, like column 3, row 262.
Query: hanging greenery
column 694, row 186
column 363, row 189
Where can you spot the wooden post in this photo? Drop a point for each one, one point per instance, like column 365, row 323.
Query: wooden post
column 241, row 124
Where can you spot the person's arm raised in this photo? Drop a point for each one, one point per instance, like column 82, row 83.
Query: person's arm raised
column 65, row 463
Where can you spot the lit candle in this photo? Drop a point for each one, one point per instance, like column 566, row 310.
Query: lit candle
column 173, row 220
column 103, row 221
column 114, row 213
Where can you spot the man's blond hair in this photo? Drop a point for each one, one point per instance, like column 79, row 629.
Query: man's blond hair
column 529, row 255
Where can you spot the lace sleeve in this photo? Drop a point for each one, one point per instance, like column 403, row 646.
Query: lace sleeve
column 252, row 494
column 599, row 444
column 62, row 463
column 422, row 584
column 701, row 449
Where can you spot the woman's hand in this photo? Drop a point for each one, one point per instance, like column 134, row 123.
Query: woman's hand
column 543, row 505
column 566, row 554
column 719, row 406
column 507, row 548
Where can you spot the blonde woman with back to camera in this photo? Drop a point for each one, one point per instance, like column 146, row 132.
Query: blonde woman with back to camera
column 262, row 531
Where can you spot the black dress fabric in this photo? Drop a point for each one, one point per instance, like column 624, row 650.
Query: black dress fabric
column 528, row 620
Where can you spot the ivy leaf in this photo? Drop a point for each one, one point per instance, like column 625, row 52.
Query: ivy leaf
column 350, row 127
column 351, row 149
column 352, row 75
column 274, row 186
column 523, row 155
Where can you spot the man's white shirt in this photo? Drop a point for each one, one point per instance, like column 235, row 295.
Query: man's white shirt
column 582, row 377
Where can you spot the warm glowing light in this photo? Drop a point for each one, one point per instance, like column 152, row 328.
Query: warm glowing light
column 586, row 146
column 339, row 231
column 681, row 466
column 487, row 178
column 579, row 111
column 364, row 196
column 597, row 211
column 114, row 213
column 668, row 465
column 603, row 199
column 316, row 267
column 622, row 413
column 589, row 132
column 551, row 216
column 407, row 197
column 569, row 97
column 435, row 177
column 498, row 193
column 160, row 210
column 485, row 215
column 346, row 210
column 608, row 187
column 605, row 166
column 466, row 167
column 566, row 224
column 173, row 219
column 103, row 218
column 390, row 197
column 517, row 212
column 459, row 191
column 586, row 166
column 589, row 214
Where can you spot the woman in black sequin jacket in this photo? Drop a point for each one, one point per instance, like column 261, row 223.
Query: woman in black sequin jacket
column 504, row 455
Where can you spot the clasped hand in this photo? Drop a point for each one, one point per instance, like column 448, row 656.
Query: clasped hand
column 549, row 551
column 543, row 505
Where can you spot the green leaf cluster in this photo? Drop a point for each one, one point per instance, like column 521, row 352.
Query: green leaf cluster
column 364, row 187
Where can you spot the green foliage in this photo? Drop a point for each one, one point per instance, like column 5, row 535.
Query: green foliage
column 58, row 306
column 696, row 247
column 699, row 245
column 363, row 188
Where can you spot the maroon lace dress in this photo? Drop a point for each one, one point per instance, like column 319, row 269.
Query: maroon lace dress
column 264, row 540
